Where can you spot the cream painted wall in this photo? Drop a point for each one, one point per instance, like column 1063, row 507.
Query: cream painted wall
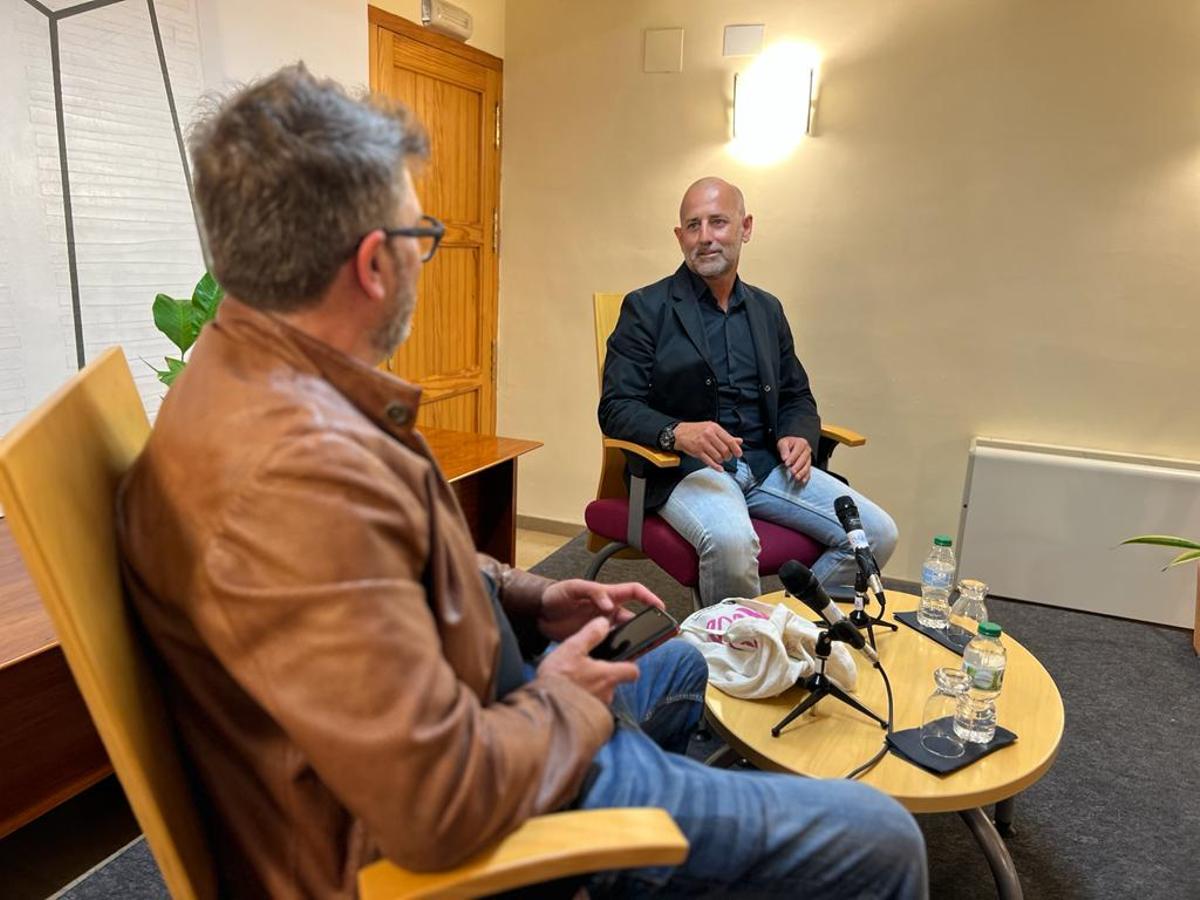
column 241, row 40
column 995, row 231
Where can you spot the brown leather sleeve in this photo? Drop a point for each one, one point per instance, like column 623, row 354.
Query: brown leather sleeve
column 345, row 599
column 520, row 591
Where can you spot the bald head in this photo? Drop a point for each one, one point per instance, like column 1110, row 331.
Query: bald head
column 713, row 225
column 711, row 187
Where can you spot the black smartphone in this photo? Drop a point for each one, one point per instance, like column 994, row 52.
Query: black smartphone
column 639, row 635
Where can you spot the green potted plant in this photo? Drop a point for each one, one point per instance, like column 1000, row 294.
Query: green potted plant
column 181, row 320
column 1191, row 552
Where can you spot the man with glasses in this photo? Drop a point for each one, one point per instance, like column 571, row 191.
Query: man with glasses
column 348, row 677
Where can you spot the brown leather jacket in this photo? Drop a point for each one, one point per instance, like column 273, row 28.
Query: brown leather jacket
column 329, row 650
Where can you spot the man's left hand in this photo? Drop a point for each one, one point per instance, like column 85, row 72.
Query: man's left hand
column 797, row 457
column 569, row 605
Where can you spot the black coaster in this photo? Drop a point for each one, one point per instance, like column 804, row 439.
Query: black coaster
column 907, row 744
column 934, row 634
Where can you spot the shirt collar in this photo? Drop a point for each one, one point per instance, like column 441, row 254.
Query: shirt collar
column 703, row 293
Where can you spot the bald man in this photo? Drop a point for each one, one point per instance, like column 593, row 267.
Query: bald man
column 702, row 364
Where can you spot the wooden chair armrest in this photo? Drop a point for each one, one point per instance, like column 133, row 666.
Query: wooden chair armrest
column 656, row 457
column 843, row 435
column 558, row 845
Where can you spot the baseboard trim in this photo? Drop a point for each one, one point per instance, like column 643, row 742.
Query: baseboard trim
column 551, row 526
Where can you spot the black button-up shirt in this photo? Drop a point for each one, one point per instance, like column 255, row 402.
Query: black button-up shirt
column 735, row 365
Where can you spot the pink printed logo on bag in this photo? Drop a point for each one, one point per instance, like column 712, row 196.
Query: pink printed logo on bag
column 721, row 623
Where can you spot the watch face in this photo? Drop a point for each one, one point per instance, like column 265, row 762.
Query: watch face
column 666, row 438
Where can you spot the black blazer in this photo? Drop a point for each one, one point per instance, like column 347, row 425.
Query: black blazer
column 657, row 372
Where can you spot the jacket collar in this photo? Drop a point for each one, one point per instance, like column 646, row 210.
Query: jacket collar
column 383, row 398
column 687, row 309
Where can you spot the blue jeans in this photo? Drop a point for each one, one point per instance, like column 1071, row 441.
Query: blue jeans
column 712, row 511
column 751, row 834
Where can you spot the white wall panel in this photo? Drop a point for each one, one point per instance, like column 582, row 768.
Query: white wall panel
column 134, row 230
column 1046, row 523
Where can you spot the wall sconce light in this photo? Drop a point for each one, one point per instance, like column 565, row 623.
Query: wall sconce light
column 773, row 103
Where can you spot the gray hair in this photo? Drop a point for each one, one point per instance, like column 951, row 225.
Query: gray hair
column 290, row 173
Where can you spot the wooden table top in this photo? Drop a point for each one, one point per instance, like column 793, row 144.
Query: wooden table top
column 461, row 453
column 25, row 628
column 833, row 739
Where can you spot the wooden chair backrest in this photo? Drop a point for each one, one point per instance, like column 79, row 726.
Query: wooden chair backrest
column 607, row 309
column 59, row 472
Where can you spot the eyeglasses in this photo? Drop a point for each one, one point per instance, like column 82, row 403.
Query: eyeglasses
column 428, row 234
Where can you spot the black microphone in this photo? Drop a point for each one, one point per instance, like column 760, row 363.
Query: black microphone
column 802, row 584
column 847, row 513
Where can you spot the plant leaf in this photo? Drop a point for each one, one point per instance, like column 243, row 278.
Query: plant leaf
column 205, row 299
column 1163, row 540
column 174, row 319
column 1186, row 556
column 168, row 375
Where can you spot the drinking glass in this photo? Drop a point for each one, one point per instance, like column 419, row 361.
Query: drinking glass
column 937, row 724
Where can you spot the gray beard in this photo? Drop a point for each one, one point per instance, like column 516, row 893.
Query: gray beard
column 711, row 268
column 396, row 330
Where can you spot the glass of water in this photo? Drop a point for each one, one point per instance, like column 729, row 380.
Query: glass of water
column 937, row 724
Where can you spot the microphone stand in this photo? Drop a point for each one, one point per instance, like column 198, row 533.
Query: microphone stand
column 820, row 686
column 859, row 617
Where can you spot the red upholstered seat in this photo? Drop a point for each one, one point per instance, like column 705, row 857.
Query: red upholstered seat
column 675, row 556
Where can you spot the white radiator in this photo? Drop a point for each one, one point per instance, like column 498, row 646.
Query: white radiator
column 1044, row 524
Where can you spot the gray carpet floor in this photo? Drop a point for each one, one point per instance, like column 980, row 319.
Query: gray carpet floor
column 1118, row 816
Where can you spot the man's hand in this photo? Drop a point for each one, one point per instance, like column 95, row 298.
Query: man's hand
column 598, row 677
column 797, row 456
column 569, row 605
column 708, row 442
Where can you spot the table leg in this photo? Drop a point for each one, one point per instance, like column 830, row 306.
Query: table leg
column 1008, row 885
column 1004, row 816
column 722, row 758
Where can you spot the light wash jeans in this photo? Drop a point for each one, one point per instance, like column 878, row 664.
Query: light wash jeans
column 712, row 511
column 751, row 834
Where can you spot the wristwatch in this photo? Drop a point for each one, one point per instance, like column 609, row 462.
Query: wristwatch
column 666, row 437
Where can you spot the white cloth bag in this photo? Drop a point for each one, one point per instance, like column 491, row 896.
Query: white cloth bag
column 756, row 649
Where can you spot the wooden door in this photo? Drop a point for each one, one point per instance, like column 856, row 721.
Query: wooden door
column 454, row 90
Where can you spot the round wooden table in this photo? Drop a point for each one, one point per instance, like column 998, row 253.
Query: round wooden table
column 832, row 739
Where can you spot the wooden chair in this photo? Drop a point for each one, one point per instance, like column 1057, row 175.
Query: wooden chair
column 617, row 521
column 59, row 471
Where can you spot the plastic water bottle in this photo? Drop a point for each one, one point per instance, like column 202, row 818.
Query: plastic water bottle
column 937, row 576
column 983, row 661
column 968, row 611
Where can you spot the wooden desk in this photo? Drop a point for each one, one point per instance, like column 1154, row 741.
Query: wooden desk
column 49, row 749
column 482, row 469
column 833, row 739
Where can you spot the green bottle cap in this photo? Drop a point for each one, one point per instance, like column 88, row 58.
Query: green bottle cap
column 990, row 629
column 943, row 540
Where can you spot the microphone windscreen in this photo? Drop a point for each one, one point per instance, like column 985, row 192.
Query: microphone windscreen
column 847, row 513
column 845, row 631
column 802, row 584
